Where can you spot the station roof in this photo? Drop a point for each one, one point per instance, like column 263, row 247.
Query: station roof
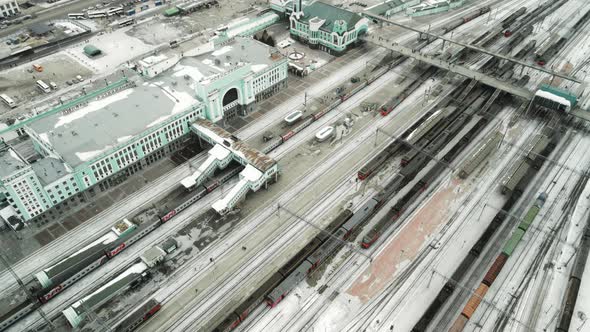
column 63, row 268
column 49, row 169
column 10, row 162
column 75, row 313
column 236, row 53
column 259, row 160
column 106, row 123
column 329, row 13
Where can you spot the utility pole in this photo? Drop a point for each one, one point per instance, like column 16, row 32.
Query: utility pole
column 26, row 290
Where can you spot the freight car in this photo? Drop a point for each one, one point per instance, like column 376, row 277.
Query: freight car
column 419, row 162
column 480, row 154
column 138, row 316
column 510, row 19
column 574, row 282
column 395, row 101
column 441, row 122
column 498, row 264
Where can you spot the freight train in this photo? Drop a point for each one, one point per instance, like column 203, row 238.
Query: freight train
column 51, row 281
column 473, row 254
column 449, row 130
column 574, row 282
column 412, row 135
column 550, row 49
column 498, row 264
column 533, row 17
column 395, row 101
column 309, row 257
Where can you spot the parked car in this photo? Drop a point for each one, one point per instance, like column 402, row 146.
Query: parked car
column 68, row 82
column 79, row 78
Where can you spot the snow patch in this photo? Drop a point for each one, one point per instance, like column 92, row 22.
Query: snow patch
column 93, row 107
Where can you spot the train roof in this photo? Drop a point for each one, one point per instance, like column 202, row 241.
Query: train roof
column 290, row 282
column 91, row 251
column 75, row 313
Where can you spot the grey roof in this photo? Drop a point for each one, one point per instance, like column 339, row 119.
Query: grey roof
column 110, row 289
column 230, row 55
column 49, row 169
column 39, row 29
column 383, row 7
column 103, row 124
column 10, row 162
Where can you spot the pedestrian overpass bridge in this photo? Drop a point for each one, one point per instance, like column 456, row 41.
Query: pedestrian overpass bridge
column 259, row 169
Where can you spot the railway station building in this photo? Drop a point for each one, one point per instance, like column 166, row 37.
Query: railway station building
column 323, row 26
column 96, row 141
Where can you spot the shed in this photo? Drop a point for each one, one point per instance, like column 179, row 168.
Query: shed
column 91, row 50
column 171, row 11
column 153, row 256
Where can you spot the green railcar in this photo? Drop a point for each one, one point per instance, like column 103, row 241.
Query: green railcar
column 513, row 242
column 529, row 217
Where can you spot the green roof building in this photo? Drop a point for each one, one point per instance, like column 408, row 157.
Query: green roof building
column 171, row 12
column 91, row 50
column 326, row 27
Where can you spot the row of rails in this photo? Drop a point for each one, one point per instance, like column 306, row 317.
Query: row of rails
column 533, row 17
column 555, row 43
column 575, row 280
column 450, row 286
column 431, row 142
column 53, row 280
column 44, row 287
column 378, row 160
column 347, row 223
column 497, row 266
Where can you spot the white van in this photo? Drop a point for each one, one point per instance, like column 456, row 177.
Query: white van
column 53, row 85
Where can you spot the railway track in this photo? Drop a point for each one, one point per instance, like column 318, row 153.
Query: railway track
column 282, row 151
column 546, row 238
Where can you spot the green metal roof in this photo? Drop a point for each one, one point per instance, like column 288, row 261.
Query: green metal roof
column 91, row 50
column 330, row 14
column 560, row 92
column 171, row 12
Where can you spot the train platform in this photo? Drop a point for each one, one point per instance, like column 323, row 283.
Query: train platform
column 76, row 312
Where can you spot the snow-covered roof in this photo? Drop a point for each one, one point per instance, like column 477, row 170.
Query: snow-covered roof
column 220, row 136
column 555, row 98
column 104, row 124
column 10, row 162
column 75, row 313
column 239, row 52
